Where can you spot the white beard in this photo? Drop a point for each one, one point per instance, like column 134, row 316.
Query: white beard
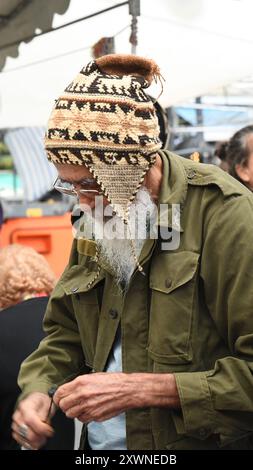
column 115, row 249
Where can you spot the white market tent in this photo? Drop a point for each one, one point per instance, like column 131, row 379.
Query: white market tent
column 199, row 45
column 20, row 19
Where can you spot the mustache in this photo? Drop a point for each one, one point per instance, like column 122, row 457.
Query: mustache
column 120, row 244
column 100, row 223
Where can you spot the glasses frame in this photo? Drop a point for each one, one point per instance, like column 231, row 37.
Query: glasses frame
column 76, row 192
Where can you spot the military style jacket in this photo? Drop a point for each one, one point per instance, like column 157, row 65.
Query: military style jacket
column 190, row 315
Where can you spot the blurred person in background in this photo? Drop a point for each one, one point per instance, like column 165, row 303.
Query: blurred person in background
column 26, row 282
column 163, row 122
column 1, row 216
column 236, row 156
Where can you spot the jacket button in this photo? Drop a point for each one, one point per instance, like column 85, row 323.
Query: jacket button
column 168, row 283
column 191, row 174
column 113, row 313
column 74, row 289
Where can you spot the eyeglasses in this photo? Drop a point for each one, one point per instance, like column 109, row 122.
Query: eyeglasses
column 88, row 187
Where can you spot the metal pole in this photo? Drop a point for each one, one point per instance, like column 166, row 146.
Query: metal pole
column 134, row 11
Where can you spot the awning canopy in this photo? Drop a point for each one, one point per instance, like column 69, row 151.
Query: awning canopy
column 35, row 171
column 196, row 49
column 22, row 18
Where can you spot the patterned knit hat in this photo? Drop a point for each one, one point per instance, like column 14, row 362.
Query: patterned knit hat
column 105, row 121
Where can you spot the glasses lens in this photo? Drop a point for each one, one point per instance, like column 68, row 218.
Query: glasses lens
column 89, row 188
column 64, row 187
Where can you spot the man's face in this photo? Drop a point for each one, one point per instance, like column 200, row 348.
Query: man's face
column 245, row 169
column 114, row 250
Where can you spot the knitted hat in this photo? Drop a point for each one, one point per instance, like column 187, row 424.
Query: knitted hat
column 105, row 121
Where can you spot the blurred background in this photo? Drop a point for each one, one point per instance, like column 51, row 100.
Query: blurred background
column 204, row 50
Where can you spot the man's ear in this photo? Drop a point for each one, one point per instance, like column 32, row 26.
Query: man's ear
column 243, row 172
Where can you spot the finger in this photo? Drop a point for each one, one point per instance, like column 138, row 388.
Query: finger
column 34, row 422
column 84, row 418
column 88, row 415
column 30, row 434
column 33, row 444
column 70, row 387
column 16, row 416
column 98, row 414
column 75, row 411
column 26, row 446
column 35, row 425
column 27, row 439
column 22, row 442
column 34, row 439
column 70, row 401
column 65, row 390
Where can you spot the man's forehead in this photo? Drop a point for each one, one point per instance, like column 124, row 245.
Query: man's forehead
column 73, row 172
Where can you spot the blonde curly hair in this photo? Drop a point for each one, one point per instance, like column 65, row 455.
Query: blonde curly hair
column 23, row 273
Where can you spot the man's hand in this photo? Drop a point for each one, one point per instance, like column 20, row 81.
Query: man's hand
column 100, row 396
column 29, row 421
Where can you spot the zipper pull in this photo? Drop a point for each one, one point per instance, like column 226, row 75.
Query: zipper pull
column 51, row 393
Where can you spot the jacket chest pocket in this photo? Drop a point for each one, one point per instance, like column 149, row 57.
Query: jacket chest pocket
column 86, row 309
column 173, row 280
column 85, row 300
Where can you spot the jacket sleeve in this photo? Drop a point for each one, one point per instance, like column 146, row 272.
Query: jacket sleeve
column 220, row 401
column 59, row 356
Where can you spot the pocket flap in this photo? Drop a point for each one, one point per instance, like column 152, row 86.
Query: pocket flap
column 171, row 270
column 77, row 279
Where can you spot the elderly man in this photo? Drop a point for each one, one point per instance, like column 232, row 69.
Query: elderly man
column 150, row 338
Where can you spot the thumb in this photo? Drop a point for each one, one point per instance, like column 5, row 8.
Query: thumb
column 40, row 402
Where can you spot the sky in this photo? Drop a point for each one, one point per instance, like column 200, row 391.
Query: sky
column 198, row 44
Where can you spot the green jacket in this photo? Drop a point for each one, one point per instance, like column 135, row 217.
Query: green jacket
column 191, row 315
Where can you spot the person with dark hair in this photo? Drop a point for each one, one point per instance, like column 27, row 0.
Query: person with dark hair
column 150, row 328
column 163, row 123
column 236, row 156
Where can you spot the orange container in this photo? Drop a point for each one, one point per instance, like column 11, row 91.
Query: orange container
column 50, row 236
